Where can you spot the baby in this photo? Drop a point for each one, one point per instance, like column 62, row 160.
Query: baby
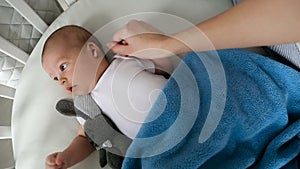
column 124, row 89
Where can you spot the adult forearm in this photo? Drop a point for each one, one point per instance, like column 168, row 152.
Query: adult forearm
column 251, row 23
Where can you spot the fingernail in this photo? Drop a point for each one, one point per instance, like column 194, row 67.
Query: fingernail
column 122, row 42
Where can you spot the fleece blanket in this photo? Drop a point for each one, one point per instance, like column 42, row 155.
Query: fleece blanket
column 226, row 109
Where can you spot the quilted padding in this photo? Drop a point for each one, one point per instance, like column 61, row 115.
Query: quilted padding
column 21, row 33
column 10, row 70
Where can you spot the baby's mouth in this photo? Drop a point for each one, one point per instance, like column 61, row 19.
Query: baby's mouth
column 70, row 89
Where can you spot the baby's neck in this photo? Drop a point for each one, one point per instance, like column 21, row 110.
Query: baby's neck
column 102, row 68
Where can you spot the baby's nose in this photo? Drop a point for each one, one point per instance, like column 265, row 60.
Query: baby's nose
column 62, row 81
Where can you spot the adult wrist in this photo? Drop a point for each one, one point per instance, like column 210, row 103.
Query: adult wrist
column 174, row 46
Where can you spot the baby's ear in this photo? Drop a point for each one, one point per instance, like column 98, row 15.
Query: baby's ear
column 93, row 49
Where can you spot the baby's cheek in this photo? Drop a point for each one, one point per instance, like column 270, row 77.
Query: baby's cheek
column 82, row 89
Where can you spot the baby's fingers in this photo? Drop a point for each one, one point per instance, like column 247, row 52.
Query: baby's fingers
column 51, row 160
column 61, row 160
column 55, row 167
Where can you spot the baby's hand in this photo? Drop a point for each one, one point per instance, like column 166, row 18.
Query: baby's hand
column 56, row 161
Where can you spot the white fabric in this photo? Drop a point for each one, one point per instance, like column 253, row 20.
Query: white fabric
column 126, row 92
column 37, row 128
column 126, row 67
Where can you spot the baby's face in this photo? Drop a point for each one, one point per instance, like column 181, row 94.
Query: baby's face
column 71, row 67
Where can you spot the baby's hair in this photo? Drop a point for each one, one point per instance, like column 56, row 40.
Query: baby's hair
column 78, row 34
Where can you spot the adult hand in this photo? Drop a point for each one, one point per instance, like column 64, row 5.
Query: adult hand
column 139, row 39
column 57, row 161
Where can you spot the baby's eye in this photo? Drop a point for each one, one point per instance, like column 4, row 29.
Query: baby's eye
column 63, row 66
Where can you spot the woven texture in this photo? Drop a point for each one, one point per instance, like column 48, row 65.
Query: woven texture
column 21, row 33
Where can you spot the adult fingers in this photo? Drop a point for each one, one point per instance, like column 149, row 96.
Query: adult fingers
column 118, row 48
column 132, row 28
column 121, row 34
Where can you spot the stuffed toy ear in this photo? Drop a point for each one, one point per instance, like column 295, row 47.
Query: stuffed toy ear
column 102, row 133
column 100, row 130
column 99, row 127
column 67, row 108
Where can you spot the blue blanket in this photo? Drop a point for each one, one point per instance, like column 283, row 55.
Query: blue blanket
column 226, row 109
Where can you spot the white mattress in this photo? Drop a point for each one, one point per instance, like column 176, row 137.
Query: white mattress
column 38, row 129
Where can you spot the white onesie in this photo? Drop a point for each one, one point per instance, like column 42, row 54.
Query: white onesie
column 126, row 92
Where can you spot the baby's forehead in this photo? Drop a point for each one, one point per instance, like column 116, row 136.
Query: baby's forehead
column 57, row 41
column 50, row 47
column 60, row 43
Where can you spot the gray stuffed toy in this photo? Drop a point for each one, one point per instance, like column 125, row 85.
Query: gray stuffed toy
column 102, row 133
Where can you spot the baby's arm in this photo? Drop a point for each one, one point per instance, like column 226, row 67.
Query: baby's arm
column 77, row 151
